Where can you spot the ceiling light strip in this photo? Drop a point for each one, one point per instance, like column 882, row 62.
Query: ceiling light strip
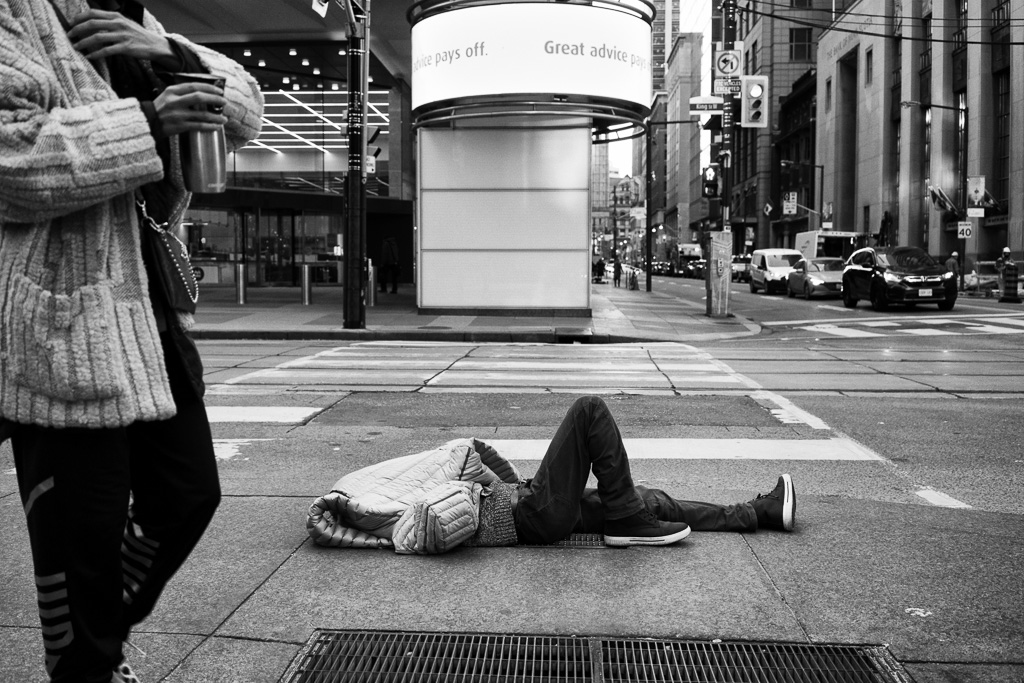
column 293, row 134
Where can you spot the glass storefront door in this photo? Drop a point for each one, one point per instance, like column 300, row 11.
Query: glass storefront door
column 275, row 248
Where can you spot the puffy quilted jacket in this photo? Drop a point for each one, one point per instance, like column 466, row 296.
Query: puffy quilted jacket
column 423, row 503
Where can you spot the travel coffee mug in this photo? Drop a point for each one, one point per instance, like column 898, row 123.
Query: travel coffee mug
column 204, row 152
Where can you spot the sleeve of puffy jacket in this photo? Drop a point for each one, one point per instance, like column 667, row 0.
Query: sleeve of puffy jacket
column 446, row 517
column 56, row 160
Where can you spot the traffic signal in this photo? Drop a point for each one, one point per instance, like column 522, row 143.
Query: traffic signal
column 754, row 101
column 710, row 181
column 792, row 174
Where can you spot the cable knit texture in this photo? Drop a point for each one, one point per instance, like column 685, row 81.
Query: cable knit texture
column 78, row 341
column 496, row 525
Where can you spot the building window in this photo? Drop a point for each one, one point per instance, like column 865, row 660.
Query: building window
column 869, row 66
column 800, row 4
column 1001, row 14
column 1001, row 158
column 926, row 44
column 867, row 220
column 960, row 35
column 800, row 45
column 753, row 57
column 828, row 94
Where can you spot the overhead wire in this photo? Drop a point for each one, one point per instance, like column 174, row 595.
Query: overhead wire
column 838, row 29
column 952, row 21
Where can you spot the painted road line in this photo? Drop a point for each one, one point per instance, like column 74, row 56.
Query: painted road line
column 991, row 329
column 269, row 414
column 841, row 331
column 1004, row 321
column 709, row 449
column 940, row 499
column 877, row 323
column 894, row 317
column 929, row 332
column 787, row 412
column 226, row 449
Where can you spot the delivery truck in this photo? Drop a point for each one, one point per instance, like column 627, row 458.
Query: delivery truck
column 814, row 243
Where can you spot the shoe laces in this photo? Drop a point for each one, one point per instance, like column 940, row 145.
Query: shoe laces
column 648, row 516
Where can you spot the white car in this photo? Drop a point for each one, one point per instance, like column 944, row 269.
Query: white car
column 770, row 268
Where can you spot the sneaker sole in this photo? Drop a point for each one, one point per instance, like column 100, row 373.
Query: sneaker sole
column 624, row 541
column 788, row 503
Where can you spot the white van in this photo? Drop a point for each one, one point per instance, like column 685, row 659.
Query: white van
column 770, row 268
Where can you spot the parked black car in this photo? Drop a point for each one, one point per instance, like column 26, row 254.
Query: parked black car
column 897, row 275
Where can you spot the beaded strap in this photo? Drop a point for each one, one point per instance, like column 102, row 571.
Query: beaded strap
column 188, row 279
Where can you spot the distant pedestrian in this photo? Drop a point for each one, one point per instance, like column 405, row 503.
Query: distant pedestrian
column 953, row 266
column 1009, row 276
column 617, row 272
column 1003, row 260
column 389, row 266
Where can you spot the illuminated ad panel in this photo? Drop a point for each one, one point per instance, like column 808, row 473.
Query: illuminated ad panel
column 531, row 48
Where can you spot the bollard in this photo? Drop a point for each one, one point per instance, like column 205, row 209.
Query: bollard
column 307, row 284
column 240, row 283
column 371, row 284
column 1010, row 284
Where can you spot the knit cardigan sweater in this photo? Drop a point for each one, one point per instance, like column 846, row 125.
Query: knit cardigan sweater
column 79, row 345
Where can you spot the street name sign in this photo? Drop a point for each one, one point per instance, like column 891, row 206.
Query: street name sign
column 706, row 105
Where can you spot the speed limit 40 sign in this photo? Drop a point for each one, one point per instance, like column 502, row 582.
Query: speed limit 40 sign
column 963, row 230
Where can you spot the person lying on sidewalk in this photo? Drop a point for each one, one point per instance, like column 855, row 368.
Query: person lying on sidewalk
column 465, row 493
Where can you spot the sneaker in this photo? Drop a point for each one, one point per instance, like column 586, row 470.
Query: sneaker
column 124, row 674
column 643, row 528
column 777, row 509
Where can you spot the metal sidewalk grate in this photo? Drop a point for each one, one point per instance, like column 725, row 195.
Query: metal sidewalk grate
column 574, row 541
column 388, row 656
column 626, row 661
column 368, row 657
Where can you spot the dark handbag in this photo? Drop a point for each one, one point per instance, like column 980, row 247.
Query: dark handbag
column 168, row 257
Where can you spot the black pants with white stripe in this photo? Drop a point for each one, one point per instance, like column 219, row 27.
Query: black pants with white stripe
column 112, row 514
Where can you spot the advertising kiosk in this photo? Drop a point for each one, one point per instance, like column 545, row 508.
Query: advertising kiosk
column 507, row 99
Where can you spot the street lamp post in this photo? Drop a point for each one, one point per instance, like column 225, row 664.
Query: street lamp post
column 965, row 121
column 817, row 189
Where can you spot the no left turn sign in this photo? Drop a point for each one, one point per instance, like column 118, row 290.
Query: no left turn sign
column 727, row 64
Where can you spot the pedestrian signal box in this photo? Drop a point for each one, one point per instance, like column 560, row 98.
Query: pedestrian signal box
column 710, row 182
column 754, row 101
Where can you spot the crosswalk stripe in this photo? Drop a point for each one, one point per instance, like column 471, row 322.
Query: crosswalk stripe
column 928, row 332
column 841, row 331
column 270, row 414
column 940, row 499
column 993, row 329
column 1005, row 321
column 709, row 449
column 226, row 449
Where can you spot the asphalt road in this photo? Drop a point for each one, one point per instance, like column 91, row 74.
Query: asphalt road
column 905, row 447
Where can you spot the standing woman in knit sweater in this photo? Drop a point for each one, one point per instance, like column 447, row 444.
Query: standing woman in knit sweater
column 100, row 385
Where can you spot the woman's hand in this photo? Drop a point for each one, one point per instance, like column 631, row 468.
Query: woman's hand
column 190, row 107
column 98, row 34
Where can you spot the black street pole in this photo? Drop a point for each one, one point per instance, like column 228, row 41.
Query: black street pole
column 963, row 193
column 649, row 185
column 355, row 279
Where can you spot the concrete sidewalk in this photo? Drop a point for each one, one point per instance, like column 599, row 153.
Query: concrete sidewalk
column 618, row 315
